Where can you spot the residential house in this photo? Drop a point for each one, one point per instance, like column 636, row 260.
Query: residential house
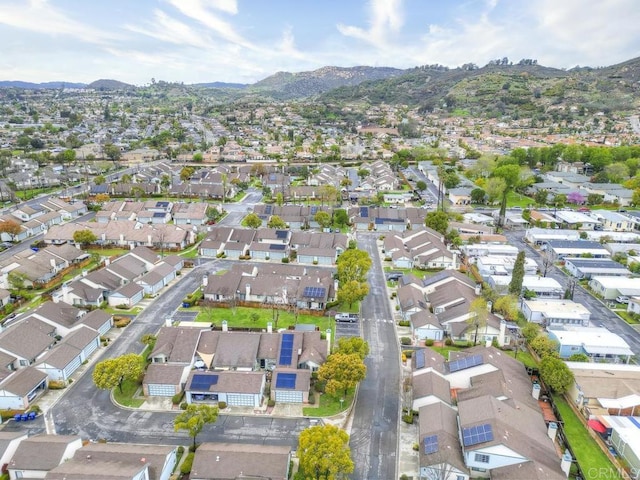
column 561, row 249
column 230, row 461
column 127, row 296
column 9, row 443
column 610, row 287
column 428, row 387
column 576, row 220
column 190, row 213
column 27, row 340
column 236, row 388
column 598, row 343
column 614, row 221
column 39, row 454
column 585, row 268
column 18, row 389
column 65, row 358
column 290, row 385
column 425, row 325
column 157, row 278
column 548, row 312
column 539, row 236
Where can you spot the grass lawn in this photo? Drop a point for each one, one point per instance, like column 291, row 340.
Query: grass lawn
column 109, row 252
column 589, row 455
column 344, row 307
column 328, row 405
column 126, row 397
column 241, row 317
column 417, row 272
column 191, row 252
column 116, row 311
column 516, row 200
column 626, row 316
column 524, row 357
column 34, row 192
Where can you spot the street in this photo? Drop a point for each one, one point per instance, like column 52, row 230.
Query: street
column 374, row 436
column 601, row 316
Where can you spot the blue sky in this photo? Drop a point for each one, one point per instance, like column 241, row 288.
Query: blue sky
column 247, row 40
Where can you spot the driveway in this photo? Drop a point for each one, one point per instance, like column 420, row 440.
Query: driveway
column 601, row 316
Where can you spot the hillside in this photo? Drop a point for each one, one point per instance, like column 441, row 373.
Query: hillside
column 285, row 85
column 108, row 84
column 35, row 86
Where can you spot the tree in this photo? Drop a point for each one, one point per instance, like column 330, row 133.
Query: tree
column 511, row 175
column 421, row 185
column 328, row 192
column 438, row 221
column 198, row 157
column 340, row 217
column 276, row 222
column 99, row 180
column 165, row 181
column 546, row 262
column 101, row 198
column 16, row 280
column 507, row 305
column 530, row 331
column 478, row 315
column 517, row 276
column 10, row 227
column 194, row 418
column 323, row 219
column 351, row 345
column 478, row 196
column 112, row 152
column 126, row 178
column 323, row 453
column 576, row 198
column 555, row 374
column 186, row 172
column 84, row 237
column 579, row 357
column 352, row 291
column 110, row 373
column 495, row 187
column 252, row 221
column 342, row 371
column 353, row 265
column 541, row 197
column 544, row 346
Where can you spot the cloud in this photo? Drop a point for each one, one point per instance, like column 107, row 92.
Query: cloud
column 52, row 21
column 386, row 17
column 168, row 29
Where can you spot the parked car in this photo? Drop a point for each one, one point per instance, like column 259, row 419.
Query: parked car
column 347, row 317
column 622, row 299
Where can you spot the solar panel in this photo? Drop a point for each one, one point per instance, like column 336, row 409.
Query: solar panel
column 465, row 362
column 364, row 211
column 286, row 380
column 267, row 209
column 272, row 177
column 420, row 360
column 478, row 434
column 281, row 234
column 314, row 292
column 314, row 209
column 275, row 246
column 203, row 382
column 158, row 214
column 430, row 444
column 162, row 204
column 286, row 349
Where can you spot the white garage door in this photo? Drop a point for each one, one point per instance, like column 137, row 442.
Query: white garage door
column 89, row 349
column 288, row 396
column 240, row 399
column 72, row 367
column 161, row 390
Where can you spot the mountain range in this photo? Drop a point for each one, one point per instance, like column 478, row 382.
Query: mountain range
column 498, row 88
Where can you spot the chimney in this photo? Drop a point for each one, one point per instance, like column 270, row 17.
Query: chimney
column 217, row 458
column 552, row 430
column 247, row 291
column 167, row 322
column 205, row 280
column 225, row 327
column 478, row 289
column 52, row 261
column 269, row 327
column 565, row 464
column 535, row 391
column 122, row 238
column 149, row 242
column 503, row 333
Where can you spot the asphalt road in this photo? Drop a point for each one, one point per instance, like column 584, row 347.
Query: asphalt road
column 374, row 438
column 601, row 316
column 89, row 412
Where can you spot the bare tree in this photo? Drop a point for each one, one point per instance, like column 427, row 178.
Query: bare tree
column 546, row 262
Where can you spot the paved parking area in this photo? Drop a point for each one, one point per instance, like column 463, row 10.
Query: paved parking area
column 182, row 316
column 346, row 329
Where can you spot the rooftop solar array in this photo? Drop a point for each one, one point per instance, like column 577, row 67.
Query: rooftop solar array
column 364, row 212
column 267, row 209
column 286, row 349
column 430, row 444
column 420, row 360
column 203, row 382
column 162, row 204
column 276, row 246
column 159, row 214
column 281, row 234
column 314, row 292
column 465, row 362
column 314, row 209
column 475, row 435
column 286, row 380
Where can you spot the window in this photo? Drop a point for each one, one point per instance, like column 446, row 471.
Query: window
column 482, row 458
column 460, row 477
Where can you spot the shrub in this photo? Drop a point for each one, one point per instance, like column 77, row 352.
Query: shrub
column 187, row 463
column 448, row 342
column 57, row 385
column 404, row 323
column 177, row 398
column 407, row 419
column 416, row 447
column 405, row 341
column 319, row 386
column 222, row 405
column 312, row 397
column 285, row 259
column 271, row 403
column 35, row 408
column 183, row 406
column 429, row 342
column 180, row 450
column 122, row 306
column 408, row 353
column 121, row 322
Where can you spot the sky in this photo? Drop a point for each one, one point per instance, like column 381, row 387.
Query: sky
column 243, row 41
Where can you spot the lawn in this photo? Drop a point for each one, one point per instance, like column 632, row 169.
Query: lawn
column 108, row 252
column 329, row 405
column 126, row 397
column 627, row 317
column 241, row 317
column 516, row 200
column 116, row 311
column 588, row 453
column 417, row 272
